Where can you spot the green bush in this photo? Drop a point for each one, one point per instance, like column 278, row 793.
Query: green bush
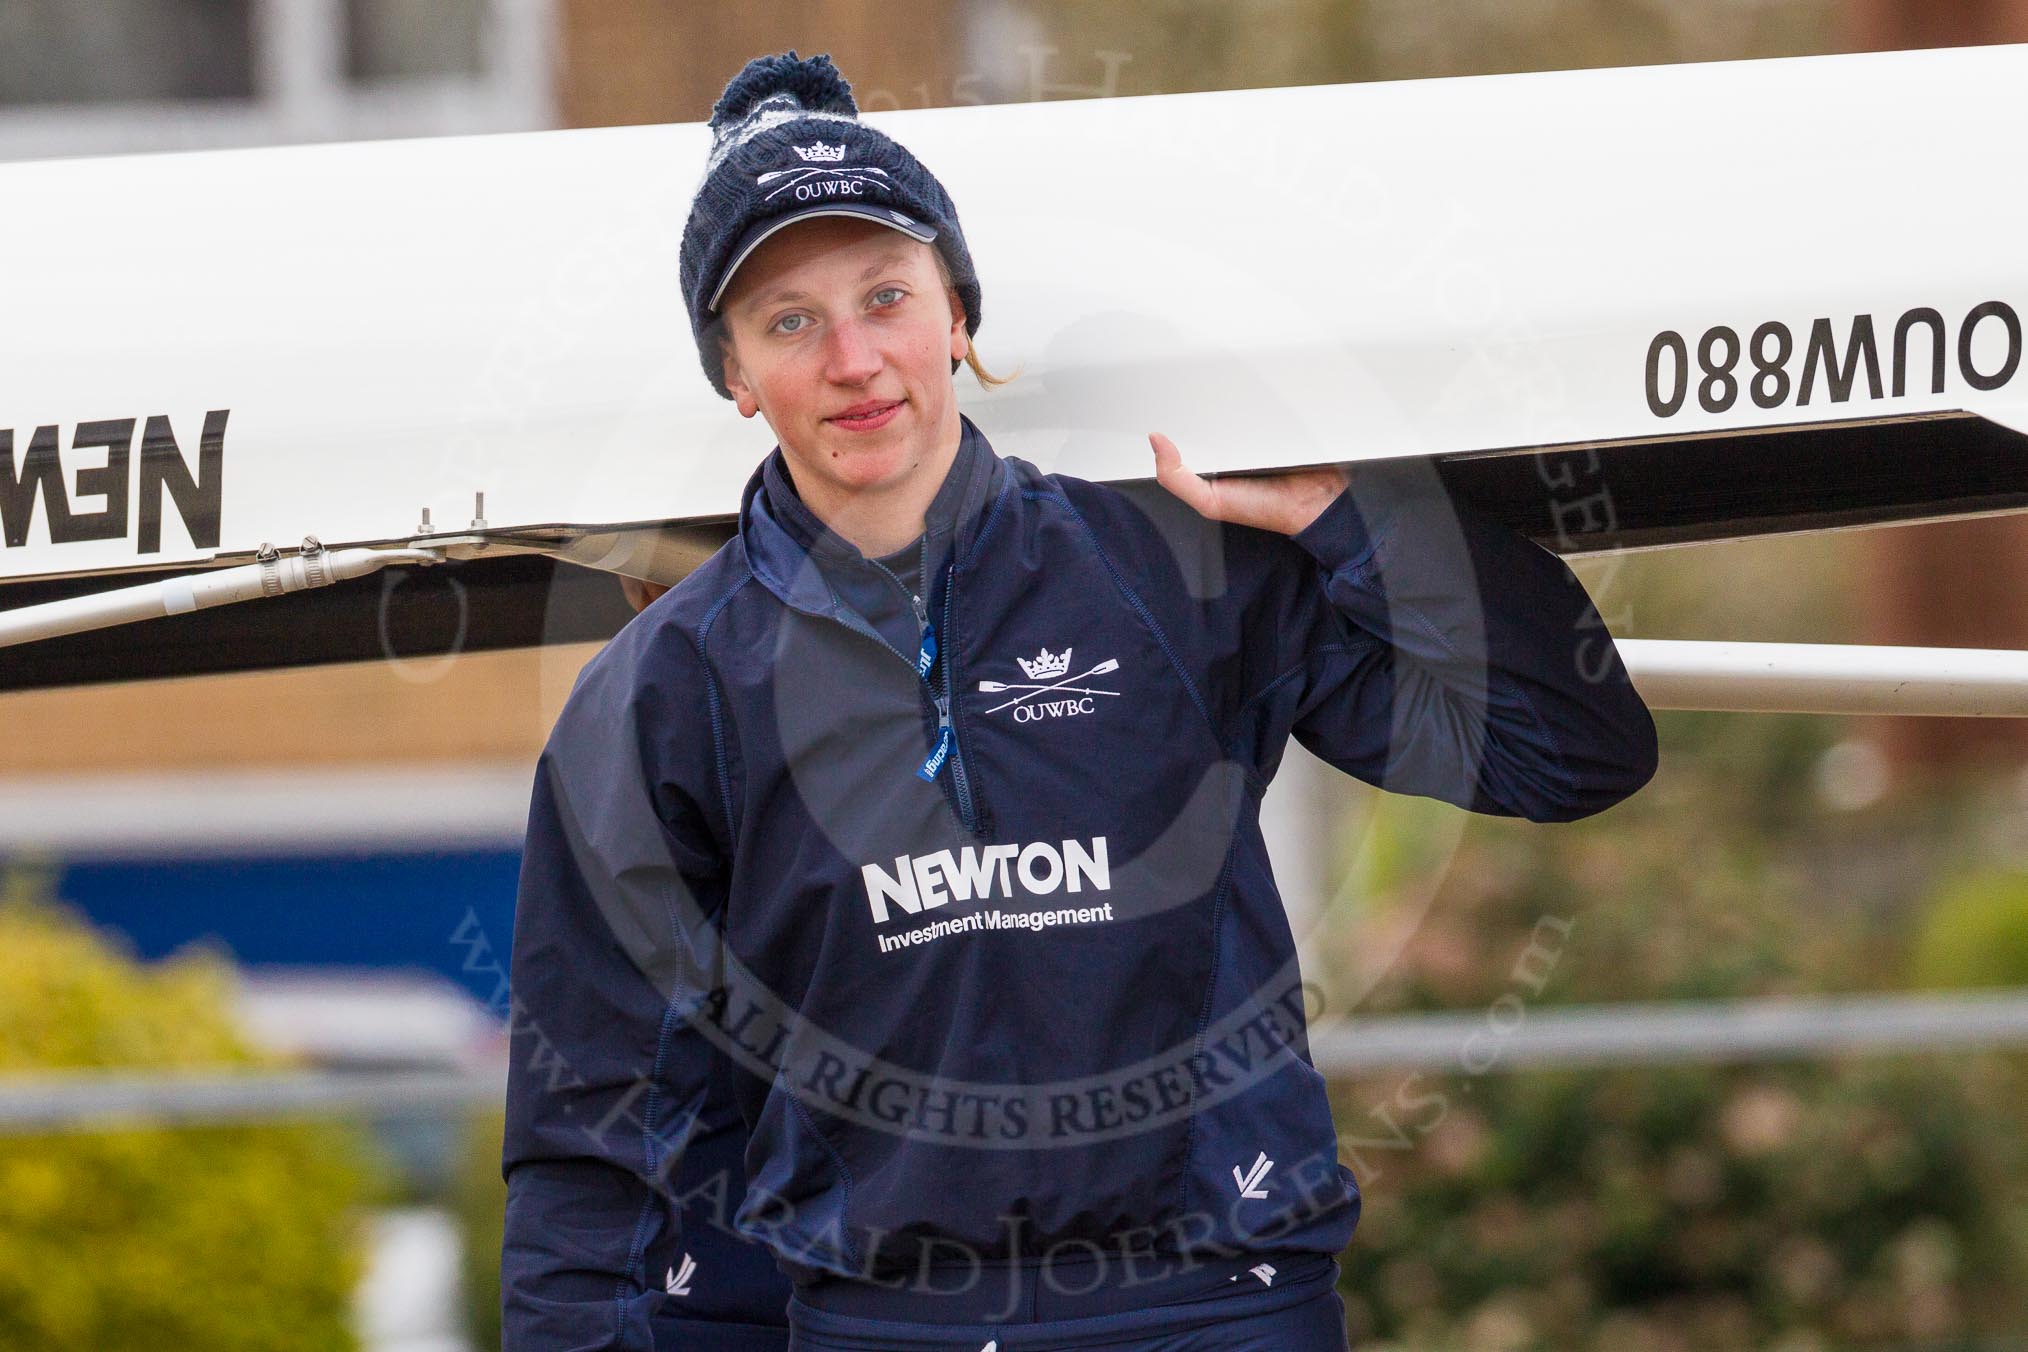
column 226, row 1238
column 1975, row 933
column 1807, row 1206
column 482, row 1215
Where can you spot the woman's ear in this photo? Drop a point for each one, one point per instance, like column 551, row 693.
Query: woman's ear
column 961, row 342
column 735, row 381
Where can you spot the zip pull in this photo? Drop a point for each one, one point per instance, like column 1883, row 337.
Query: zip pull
column 939, row 753
column 926, row 651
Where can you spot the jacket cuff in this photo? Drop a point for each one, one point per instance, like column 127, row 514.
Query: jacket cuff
column 1340, row 537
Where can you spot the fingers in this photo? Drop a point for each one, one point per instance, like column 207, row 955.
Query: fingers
column 1284, row 502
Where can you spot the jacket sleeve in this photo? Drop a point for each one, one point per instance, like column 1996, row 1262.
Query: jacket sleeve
column 623, row 877
column 1421, row 646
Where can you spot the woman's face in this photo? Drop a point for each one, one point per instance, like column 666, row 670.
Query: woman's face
column 832, row 315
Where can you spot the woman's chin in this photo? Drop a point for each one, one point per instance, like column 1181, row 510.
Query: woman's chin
column 870, row 462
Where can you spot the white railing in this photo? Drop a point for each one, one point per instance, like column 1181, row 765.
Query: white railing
column 1497, row 1040
column 1827, row 678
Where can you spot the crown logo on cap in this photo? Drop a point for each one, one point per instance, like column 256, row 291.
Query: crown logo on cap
column 1045, row 665
column 820, row 153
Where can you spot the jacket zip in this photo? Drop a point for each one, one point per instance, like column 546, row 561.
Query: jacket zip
column 966, row 808
column 946, row 747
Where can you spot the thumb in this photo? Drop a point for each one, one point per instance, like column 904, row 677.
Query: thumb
column 1172, row 474
column 1167, row 458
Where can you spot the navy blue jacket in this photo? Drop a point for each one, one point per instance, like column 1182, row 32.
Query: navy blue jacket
column 963, row 887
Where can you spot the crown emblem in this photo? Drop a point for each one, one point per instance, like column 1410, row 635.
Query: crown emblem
column 1045, row 665
column 820, row 153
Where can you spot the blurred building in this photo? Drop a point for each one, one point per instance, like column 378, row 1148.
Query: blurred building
column 120, row 76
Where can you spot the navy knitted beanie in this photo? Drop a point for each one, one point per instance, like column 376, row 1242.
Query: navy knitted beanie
column 787, row 143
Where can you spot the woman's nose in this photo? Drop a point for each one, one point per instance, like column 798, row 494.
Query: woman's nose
column 854, row 357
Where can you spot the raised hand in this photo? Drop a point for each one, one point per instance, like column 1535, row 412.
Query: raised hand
column 1278, row 502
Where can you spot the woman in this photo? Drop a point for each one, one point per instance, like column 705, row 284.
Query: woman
column 930, row 804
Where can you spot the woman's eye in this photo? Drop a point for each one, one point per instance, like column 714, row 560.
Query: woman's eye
column 894, row 291
column 780, row 323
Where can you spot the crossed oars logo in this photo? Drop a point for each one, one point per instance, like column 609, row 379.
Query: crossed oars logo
column 1068, row 683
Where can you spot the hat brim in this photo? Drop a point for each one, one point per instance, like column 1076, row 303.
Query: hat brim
column 754, row 238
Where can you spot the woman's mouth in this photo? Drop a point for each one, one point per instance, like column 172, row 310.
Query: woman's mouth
column 875, row 416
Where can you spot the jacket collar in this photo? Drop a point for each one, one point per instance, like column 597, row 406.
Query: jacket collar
column 783, row 537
